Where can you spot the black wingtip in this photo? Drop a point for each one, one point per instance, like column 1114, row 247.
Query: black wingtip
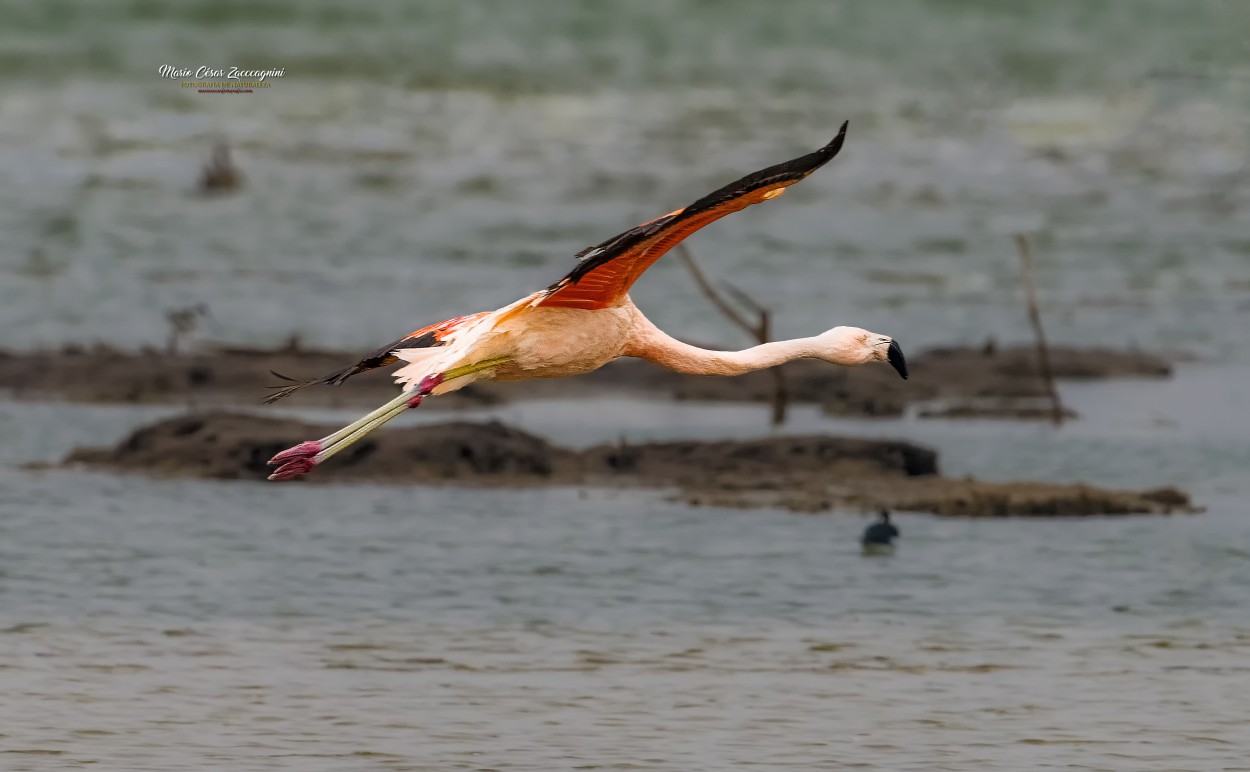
column 836, row 142
column 802, row 167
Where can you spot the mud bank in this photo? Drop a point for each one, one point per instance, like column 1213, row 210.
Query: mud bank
column 801, row 473
column 226, row 376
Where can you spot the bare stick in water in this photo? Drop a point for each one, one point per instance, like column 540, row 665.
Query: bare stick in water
column 1035, row 319
column 717, row 299
column 761, row 331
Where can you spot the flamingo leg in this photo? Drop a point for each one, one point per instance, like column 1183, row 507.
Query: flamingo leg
column 299, row 460
column 354, row 431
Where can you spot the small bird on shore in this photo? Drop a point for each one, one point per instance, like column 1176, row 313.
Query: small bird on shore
column 584, row 321
column 879, row 537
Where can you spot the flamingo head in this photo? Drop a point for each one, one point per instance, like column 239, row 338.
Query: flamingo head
column 855, row 346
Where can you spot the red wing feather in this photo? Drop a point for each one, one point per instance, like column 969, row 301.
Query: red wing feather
column 607, row 270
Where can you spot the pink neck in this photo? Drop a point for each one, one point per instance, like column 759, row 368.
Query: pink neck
column 655, row 345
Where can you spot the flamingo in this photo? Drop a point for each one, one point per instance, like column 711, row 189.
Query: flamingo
column 582, row 322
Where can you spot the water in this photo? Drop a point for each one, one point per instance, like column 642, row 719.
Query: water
column 448, row 630
column 186, row 625
column 424, row 160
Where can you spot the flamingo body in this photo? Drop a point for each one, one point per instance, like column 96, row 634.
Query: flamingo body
column 533, row 343
column 584, row 321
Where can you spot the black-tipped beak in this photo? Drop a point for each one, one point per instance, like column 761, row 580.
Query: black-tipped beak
column 895, row 355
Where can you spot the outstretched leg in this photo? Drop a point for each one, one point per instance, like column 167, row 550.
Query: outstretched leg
column 299, row 460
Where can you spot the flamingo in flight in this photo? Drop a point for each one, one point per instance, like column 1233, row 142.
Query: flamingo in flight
column 584, row 321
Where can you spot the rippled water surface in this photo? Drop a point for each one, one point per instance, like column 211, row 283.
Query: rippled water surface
column 189, row 625
column 420, row 161
column 424, row 160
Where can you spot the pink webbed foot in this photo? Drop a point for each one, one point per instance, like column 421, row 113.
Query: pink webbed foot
column 293, row 469
column 302, row 450
column 295, row 462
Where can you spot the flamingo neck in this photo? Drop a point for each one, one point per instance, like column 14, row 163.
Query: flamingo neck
column 655, row 345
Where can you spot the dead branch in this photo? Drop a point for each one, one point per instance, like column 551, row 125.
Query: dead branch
column 1035, row 319
column 710, row 292
column 743, row 298
column 761, row 331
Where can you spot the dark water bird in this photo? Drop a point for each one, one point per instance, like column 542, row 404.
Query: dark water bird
column 584, row 321
column 879, row 537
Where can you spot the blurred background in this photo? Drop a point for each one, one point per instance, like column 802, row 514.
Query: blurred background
column 418, row 161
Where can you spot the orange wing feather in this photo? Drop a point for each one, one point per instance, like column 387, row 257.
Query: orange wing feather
column 609, row 269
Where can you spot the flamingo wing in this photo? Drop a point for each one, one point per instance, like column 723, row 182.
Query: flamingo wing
column 433, row 336
column 607, row 270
